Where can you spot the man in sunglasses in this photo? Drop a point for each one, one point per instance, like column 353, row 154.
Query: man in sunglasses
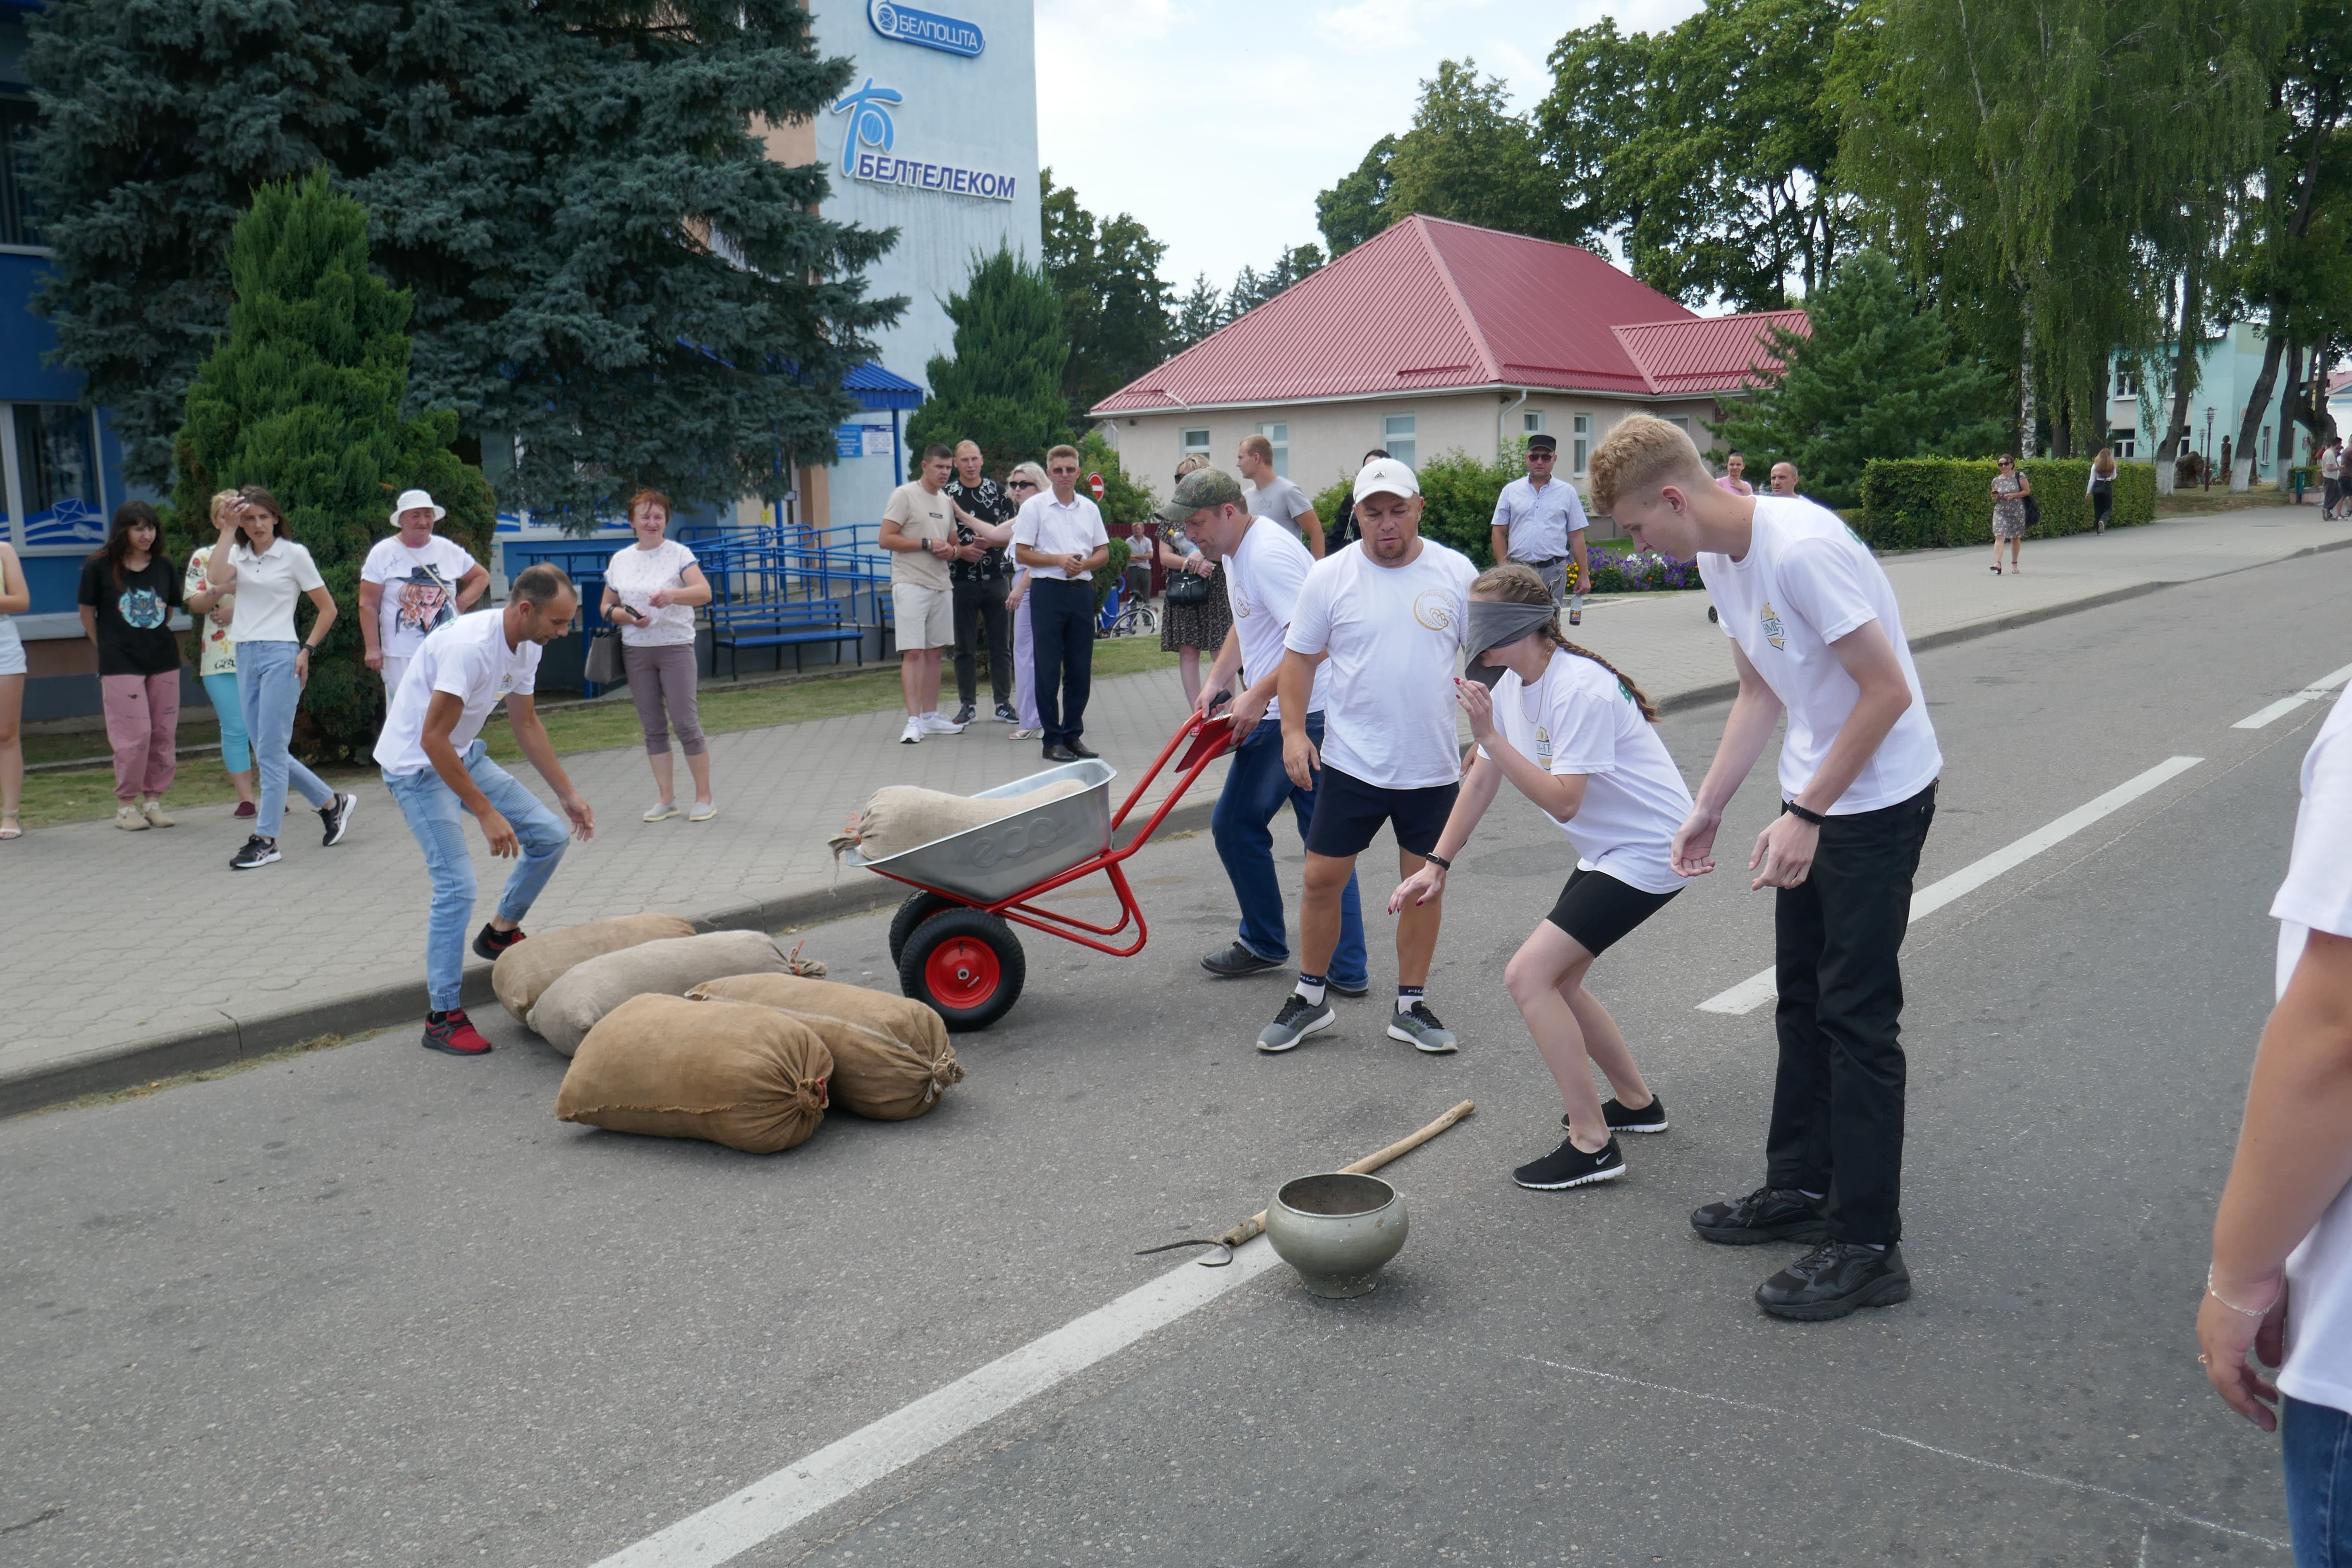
column 1539, row 523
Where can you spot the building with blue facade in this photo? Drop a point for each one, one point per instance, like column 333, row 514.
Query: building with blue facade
column 2227, row 368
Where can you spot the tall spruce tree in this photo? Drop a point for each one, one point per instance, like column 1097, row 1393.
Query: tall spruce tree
column 303, row 396
column 612, row 279
column 1003, row 387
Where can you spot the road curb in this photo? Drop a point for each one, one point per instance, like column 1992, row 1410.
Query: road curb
column 234, row 1040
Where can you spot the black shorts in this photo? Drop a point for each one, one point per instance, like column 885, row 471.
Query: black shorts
column 1349, row 813
column 1597, row 910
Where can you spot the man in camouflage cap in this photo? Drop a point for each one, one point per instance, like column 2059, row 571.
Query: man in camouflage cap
column 1266, row 565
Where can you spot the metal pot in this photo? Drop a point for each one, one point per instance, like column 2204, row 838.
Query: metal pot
column 1338, row 1230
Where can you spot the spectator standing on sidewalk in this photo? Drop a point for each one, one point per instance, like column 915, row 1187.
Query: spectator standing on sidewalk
column 268, row 572
column 1263, row 566
column 1276, row 496
column 129, row 589
column 983, row 582
column 1061, row 539
column 1734, row 479
column 2331, row 479
column 1025, row 481
column 1188, row 629
column 1387, row 617
column 1816, row 635
column 2010, row 490
column 2102, row 488
column 412, row 584
column 15, row 598
column 1784, row 478
column 436, row 766
column 1539, row 523
column 2280, row 1283
column 216, row 659
column 918, row 531
column 1343, row 531
column 651, row 589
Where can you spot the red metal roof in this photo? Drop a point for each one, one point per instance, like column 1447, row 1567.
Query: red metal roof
column 1431, row 304
column 1708, row 353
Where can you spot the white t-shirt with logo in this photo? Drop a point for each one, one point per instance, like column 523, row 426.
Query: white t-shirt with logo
column 1578, row 720
column 1395, row 638
column 1805, row 582
column 420, row 589
column 470, row 657
column 634, row 575
column 2317, row 896
column 1263, row 578
column 267, row 586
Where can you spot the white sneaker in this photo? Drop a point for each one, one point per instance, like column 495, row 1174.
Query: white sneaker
column 660, row 811
column 127, row 817
column 912, row 735
column 704, row 810
column 937, row 723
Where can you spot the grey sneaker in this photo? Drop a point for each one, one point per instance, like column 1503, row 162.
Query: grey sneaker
column 1420, row 1030
column 1298, row 1018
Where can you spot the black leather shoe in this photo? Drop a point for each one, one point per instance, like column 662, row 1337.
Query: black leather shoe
column 1060, row 754
column 1344, row 989
column 1834, row 1278
column 1238, row 960
column 1081, row 750
column 1768, row 1213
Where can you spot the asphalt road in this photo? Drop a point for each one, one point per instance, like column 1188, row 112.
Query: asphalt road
column 375, row 1306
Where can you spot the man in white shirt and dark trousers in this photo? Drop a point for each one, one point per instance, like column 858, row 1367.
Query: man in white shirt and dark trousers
column 1061, row 539
column 436, row 767
column 1540, row 523
column 1816, row 634
column 1386, row 616
column 1265, row 568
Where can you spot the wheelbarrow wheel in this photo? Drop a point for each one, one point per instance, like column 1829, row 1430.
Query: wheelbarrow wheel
column 966, row 965
column 912, row 913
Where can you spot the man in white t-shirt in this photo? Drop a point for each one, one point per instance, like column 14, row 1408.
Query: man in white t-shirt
column 1060, row 537
column 412, row 583
column 919, row 529
column 1271, row 495
column 1539, row 521
column 1378, row 626
column 2281, row 1281
column 1816, row 635
column 2331, row 479
column 1265, row 567
column 436, row 767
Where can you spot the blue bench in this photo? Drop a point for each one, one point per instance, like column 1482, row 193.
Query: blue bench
column 780, row 624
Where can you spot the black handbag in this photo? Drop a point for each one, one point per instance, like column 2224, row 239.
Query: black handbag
column 2032, row 512
column 1188, row 588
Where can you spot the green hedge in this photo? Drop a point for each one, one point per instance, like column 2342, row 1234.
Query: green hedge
column 1925, row 503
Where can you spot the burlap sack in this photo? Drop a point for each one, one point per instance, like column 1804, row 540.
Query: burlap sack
column 749, row 1077
column 901, row 817
column 524, row 972
column 568, row 1009
column 891, row 1060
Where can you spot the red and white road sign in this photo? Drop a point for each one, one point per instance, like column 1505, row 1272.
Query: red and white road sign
column 1094, row 483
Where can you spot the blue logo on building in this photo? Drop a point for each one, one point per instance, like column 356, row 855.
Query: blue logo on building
column 869, row 120
column 866, row 152
column 927, row 28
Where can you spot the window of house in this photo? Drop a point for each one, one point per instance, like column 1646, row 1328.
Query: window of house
column 2124, row 442
column 1195, row 441
column 52, row 462
column 2126, row 383
column 1531, row 424
column 1397, row 439
column 1278, row 437
column 19, row 218
column 1581, row 446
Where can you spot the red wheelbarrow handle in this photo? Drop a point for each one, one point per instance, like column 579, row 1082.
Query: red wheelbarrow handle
column 1209, row 738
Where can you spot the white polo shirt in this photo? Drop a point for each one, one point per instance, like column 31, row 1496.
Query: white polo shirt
column 267, row 586
column 1540, row 520
column 1046, row 524
column 469, row 658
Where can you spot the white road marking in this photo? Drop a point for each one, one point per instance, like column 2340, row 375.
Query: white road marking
column 1757, row 989
column 775, row 1503
column 2286, row 705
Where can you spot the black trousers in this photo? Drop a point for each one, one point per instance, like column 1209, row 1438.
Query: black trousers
column 1062, row 628
column 1837, row 1101
column 981, row 606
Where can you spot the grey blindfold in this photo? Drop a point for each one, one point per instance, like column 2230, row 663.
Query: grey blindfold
column 1493, row 623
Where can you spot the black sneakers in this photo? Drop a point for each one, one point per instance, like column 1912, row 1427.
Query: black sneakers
column 1834, row 1278
column 963, row 714
column 1650, row 1118
column 1005, row 715
column 1569, row 1166
column 1237, row 960
column 257, row 852
column 490, row 942
column 337, row 815
column 1768, row 1213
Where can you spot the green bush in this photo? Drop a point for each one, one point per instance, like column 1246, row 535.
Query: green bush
column 1933, row 503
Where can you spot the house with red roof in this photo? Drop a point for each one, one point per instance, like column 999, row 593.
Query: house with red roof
column 1433, row 337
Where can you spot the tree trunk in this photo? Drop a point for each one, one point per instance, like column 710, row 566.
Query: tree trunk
column 2242, row 472
column 2287, row 411
column 2025, row 390
column 2184, row 375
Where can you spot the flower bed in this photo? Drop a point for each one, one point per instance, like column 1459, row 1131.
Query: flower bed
column 1622, row 569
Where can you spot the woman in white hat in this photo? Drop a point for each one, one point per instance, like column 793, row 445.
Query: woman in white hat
column 411, row 583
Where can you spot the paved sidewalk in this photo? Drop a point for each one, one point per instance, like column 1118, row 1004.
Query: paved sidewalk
column 133, row 957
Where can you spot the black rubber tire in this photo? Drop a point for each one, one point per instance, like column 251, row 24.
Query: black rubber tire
column 912, row 913
column 962, row 924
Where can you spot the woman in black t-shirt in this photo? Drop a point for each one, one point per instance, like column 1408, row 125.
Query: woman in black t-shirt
column 129, row 589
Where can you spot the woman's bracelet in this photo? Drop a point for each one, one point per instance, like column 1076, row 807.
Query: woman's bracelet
column 2215, row 1291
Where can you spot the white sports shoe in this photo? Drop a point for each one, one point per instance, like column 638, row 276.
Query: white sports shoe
column 912, row 735
column 937, row 723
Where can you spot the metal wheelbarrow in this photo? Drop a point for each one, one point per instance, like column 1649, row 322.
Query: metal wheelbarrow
column 953, row 940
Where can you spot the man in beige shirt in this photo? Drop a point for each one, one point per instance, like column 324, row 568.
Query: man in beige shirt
column 918, row 531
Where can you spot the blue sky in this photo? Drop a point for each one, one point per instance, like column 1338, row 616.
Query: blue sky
column 1215, row 122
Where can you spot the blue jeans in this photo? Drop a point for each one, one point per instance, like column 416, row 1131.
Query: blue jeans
column 438, row 818
column 236, row 754
column 2315, row 1446
column 1242, row 826
column 267, row 690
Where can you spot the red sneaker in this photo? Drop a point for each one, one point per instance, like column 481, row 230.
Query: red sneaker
column 454, row 1033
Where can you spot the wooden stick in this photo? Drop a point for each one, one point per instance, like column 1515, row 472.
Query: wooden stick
column 1255, row 1224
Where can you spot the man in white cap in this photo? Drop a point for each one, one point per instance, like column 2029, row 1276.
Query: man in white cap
column 1387, row 617
column 411, row 583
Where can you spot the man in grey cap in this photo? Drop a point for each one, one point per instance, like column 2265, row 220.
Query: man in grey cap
column 1539, row 523
column 1266, row 566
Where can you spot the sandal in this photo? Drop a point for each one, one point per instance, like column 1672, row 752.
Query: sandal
column 1996, row 571
column 9, row 827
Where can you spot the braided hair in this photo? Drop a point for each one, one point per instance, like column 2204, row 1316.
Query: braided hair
column 1513, row 583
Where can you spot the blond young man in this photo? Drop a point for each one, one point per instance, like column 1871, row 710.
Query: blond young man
column 919, row 529
column 1061, row 539
column 1817, row 636
column 1270, row 495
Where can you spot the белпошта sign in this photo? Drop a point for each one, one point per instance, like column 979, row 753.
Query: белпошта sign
column 866, row 152
column 927, row 28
